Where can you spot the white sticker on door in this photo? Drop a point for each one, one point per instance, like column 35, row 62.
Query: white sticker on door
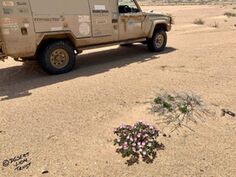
column 84, row 29
column 84, row 19
column 8, row 3
column 99, row 7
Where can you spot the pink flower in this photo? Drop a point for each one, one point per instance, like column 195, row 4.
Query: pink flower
column 143, row 144
column 125, row 147
column 122, row 125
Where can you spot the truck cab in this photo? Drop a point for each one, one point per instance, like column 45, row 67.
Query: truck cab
column 55, row 31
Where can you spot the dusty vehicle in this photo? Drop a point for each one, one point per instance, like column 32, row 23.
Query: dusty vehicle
column 55, row 31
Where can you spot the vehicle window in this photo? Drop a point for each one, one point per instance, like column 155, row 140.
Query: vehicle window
column 127, row 6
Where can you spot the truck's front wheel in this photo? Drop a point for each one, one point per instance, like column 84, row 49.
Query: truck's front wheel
column 158, row 41
column 58, row 57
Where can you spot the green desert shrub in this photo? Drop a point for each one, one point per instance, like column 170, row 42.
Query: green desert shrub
column 177, row 109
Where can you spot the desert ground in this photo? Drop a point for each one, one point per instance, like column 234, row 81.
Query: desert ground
column 65, row 122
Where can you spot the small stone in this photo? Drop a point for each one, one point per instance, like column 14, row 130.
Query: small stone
column 201, row 170
column 45, row 172
column 3, row 132
column 226, row 111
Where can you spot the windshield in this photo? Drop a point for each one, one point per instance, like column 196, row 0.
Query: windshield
column 128, row 6
column 129, row 3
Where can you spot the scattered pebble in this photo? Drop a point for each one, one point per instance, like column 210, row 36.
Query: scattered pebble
column 165, row 135
column 226, row 111
column 1, row 131
column 45, row 172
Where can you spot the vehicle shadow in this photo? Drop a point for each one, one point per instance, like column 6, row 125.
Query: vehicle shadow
column 17, row 81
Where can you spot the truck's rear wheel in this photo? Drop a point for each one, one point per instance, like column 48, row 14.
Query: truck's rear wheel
column 158, row 41
column 58, row 57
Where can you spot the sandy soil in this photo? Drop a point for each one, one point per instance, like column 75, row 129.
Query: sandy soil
column 65, row 122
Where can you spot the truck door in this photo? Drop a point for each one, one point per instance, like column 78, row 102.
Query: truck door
column 131, row 20
column 101, row 18
column 17, row 27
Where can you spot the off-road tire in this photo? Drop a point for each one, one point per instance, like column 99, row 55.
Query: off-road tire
column 155, row 45
column 63, row 52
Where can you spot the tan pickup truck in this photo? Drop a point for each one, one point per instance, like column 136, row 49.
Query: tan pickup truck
column 55, row 31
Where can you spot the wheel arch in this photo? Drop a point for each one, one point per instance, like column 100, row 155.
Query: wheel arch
column 158, row 25
column 46, row 39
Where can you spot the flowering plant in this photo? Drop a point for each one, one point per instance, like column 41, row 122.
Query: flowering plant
column 137, row 140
